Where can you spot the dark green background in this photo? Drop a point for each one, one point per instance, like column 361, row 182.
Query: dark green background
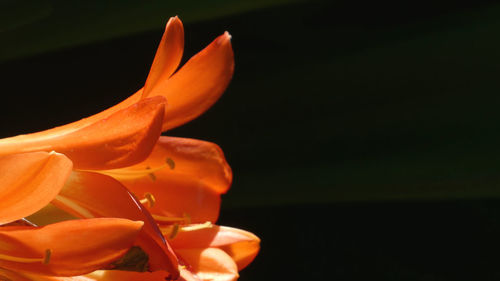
column 363, row 136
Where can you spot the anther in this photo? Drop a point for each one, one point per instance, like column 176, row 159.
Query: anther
column 48, row 254
column 170, row 163
column 148, row 199
column 174, row 232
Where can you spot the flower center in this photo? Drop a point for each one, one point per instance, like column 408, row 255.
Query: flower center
column 44, row 260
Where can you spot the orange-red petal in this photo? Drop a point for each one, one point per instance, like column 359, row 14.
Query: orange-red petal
column 29, row 181
column 178, row 196
column 124, row 138
column 198, row 84
column 76, row 247
column 241, row 245
column 210, row 264
column 88, row 194
column 117, row 275
column 168, row 56
column 191, row 182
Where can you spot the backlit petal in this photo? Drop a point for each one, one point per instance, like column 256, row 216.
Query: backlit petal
column 192, row 174
column 29, row 181
column 198, row 84
column 124, row 138
column 88, row 194
column 210, row 264
column 77, row 246
column 177, row 196
column 168, row 56
column 187, row 275
column 117, row 275
column 241, row 245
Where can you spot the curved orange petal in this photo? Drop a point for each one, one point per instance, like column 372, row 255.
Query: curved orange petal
column 241, row 245
column 23, row 276
column 210, row 264
column 186, row 275
column 99, row 275
column 124, row 138
column 178, row 196
column 88, row 194
column 8, row 275
column 184, row 175
column 198, row 84
column 117, row 275
column 29, row 181
column 75, row 247
column 168, row 56
column 200, row 160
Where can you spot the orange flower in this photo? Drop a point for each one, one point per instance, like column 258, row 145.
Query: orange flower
column 94, row 168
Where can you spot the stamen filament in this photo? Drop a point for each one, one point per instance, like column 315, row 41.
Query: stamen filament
column 197, row 226
column 73, row 206
column 44, row 260
column 185, row 219
column 129, row 174
column 172, row 230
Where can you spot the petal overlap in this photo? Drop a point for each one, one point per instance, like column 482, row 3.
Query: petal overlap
column 88, row 195
column 191, row 177
column 29, row 181
column 75, row 247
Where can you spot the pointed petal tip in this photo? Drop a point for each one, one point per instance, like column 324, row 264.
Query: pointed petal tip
column 224, row 38
column 174, row 22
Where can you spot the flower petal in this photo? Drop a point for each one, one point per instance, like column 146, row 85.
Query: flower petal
column 8, row 275
column 177, row 196
column 88, row 194
column 198, row 84
column 168, row 56
column 185, row 175
column 186, row 275
column 124, row 138
column 76, row 247
column 241, row 245
column 210, row 264
column 117, row 275
column 29, row 181
column 23, row 276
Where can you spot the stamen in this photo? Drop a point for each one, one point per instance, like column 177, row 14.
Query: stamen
column 44, row 260
column 48, row 254
column 174, row 232
column 197, row 226
column 148, row 199
column 170, row 163
column 186, row 219
column 171, row 231
column 74, row 206
column 128, row 174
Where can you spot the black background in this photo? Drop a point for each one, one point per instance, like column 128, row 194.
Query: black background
column 363, row 136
